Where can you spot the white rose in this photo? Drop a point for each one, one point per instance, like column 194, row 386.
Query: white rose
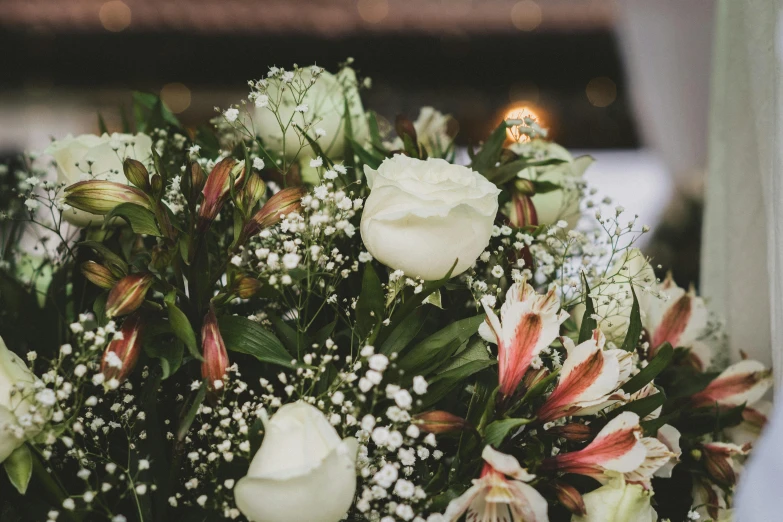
column 302, row 472
column 557, row 204
column 612, row 298
column 325, row 101
column 106, row 153
column 422, row 216
column 618, row 501
column 14, row 373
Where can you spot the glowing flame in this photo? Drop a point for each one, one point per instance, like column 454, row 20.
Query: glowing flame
column 520, row 113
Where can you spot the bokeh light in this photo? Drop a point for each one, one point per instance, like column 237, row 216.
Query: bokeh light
column 519, row 112
column 601, row 91
column 176, row 96
column 526, row 15
column 373, row 11
column 115, row 16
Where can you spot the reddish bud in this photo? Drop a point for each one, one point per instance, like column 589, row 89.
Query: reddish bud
column 98, row 275
column 217, row 189
column 128, row 294
column 718, row 461
column 524, row 211
column 213, row 369
column 136, row 173
column 100, row 197
column 121, row 355
column 575, row 432
column 570, row 498
column 197, row 178
column 284, row 202
column 438, row 421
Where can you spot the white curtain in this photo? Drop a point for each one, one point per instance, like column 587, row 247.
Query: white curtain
column 742, row 254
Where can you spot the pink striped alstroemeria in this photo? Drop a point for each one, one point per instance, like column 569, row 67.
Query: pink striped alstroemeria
column 617, row 447
column 589, row 380
column 663, row 453
column 754, row 418
column 744, row 382
column 218, row 188
column 500, row 494
column 677, row 317
column 528, row 323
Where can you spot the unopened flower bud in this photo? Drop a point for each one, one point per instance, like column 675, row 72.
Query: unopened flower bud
column 247, row 287
column 438, row 421
column 121, row 355
column 524, row 211
column 136, row 173
column 718, row 461
column 213, row 348
column 100, row 197
column 98, row 274
column 254, row 190
column 570, row 498
column 195, row 181
column 575, row 432
column 128, row 294
column 217, row 189
column 284, row 202
column 157, row 185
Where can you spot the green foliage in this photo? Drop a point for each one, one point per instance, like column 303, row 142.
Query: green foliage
column 141, row 220
column 661, row 360
column 19, row 467
column 245, row 336
column 496, row 432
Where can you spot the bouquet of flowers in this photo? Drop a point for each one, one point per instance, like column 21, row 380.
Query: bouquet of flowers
column 304, row 313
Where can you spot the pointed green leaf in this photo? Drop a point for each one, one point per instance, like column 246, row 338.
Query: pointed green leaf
column 182, row 329
column 19, row 467
column 634, row 326
column 651, row 371
column 371, row 304
column 245, row 336
column 588, row 321
column 141, row 220
column 497, row 431
column 489, row 154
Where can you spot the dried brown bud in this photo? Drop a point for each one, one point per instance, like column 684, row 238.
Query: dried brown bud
column 98, row 274
column 574, row 431
column 570, row 498
column 247, row 287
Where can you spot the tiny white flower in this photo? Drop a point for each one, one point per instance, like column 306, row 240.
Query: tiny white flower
column 258, row 163
column 231, row 115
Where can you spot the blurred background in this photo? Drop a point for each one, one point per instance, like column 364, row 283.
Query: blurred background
column 625, row 81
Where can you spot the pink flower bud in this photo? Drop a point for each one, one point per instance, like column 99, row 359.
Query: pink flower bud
column 128, row 294
column 217, row 189
column 213, row 369
column 284, row 202
column 570, row 498
column 437, row 422
column 100, row 197
column 524, row 211
column 121, row 355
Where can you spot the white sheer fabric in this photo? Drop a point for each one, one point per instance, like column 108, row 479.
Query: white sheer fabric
column 742, row 254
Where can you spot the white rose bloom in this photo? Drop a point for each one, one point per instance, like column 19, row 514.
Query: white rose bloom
column 613, row 299
column 325, row 102
column 302, row 472
column 557, row 204
column 13, row 372
column 618, row 501
column 106, row 154
column 422, row 216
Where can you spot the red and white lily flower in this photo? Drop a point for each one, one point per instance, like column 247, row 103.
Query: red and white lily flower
column 663, row 453
column 500, row 494
column 589, row 380
column 617, row 447
column 675, row 316
column 744, row 382
column 528, row 323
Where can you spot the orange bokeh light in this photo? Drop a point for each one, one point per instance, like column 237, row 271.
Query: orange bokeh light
column 520, row 112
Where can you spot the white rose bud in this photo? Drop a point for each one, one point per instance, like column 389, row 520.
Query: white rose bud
column 422, row 216
column 302, row 472
column 105, row 153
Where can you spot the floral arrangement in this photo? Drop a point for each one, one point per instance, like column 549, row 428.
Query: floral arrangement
column 302, row 313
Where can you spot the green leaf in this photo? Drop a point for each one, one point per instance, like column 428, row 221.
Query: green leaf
column 475, row 350
column 588, row 322
column 411, row 302
column 141, row 220
column 405, row 332
column 651, row 371
column 292, row 339
column 190, row 416
column 433, row 350
column 371, row 159
column 443, row 383
column 113, row 262
column 245, row 336
column 497, row 431
column 489, row 154
column 540, row 387
column 169, row 352
column 371, row 304
column 706, row 420
column 375, row 133
column 182, row 329
column 19, row 467
column 634, row 327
